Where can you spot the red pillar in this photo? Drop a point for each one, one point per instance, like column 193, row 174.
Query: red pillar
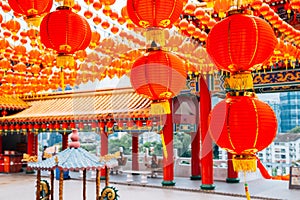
column 65, row 139
column 135, row 152
column 30, row 148
column 168, row 161
column 206, row 151
column 35, row 144
column 30, row 141
column 195, row 167
column 103, row 150
column 232, row 176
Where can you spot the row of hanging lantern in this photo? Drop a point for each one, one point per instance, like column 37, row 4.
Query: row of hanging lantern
column 21, row 52
column 241, row 123
column 186, row 50
column 286, row 53
column 150, row 73
column 158, row 74
column 198, row 19
column 109, row 71
column 82, row 125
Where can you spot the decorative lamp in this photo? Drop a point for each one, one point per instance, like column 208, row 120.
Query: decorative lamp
column 221, row 7
column 158, row 75
column 240, row 42
column 154, row 15
column 66, row 32
column 149, row 13
column 243, row 125
column 33, row 10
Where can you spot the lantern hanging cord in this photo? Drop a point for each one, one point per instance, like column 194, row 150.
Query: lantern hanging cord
column 165, row 152
column 246, row 187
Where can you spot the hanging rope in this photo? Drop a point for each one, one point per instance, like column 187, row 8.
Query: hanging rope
column 246, row 188
column 164, row 147
column 164, row 144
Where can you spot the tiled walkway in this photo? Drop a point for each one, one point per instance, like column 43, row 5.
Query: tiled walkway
column 20, row 186
column 259, row 188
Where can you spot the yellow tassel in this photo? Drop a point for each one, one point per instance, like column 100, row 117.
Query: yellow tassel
column 33, row 21
column 65, row 60
column 155, row 35
column 222, row 15
column 246, row 188
column 247, row 191
column 62, row 78
column 164, row 145
column 241, row 81
column 244, row 163
column 69, row 3
column 160, row 108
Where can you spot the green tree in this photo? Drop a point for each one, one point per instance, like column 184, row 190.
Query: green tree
column 295, row 130
column 89, row 147
column 182, row 142
column 125, row 141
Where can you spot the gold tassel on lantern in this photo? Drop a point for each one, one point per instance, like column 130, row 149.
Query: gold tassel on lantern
column 164, row 144
column 160, row 108
column 65, row 60
column 68, row 3
column 241, row 81
column 247, row 191
column 244, row 163
column 34, row 21
column 155, row 37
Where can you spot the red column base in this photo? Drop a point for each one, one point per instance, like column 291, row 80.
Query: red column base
column 207, row 186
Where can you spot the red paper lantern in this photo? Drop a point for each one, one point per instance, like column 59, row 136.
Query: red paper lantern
column 12, row 128
column 36, row 127
column 32, row 9
column 65, row 126
column 50, row 126
column 149, row 13
column 158, row 75
column 80, row 126
column 94, row 125
column 17, row 127
column 44, row 127
column 242, row 125
column 101, row 126
column 72, row 125
column 240, row 42
column 130, row 124
column 66, row 32
column 24, row 127
column 56, row 126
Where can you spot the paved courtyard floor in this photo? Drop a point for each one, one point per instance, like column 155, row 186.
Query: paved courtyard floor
column 22, row 186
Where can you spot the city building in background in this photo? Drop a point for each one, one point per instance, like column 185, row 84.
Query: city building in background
column 290, row 110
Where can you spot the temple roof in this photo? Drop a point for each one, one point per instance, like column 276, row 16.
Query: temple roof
column 12, row 103
column 116, row 103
